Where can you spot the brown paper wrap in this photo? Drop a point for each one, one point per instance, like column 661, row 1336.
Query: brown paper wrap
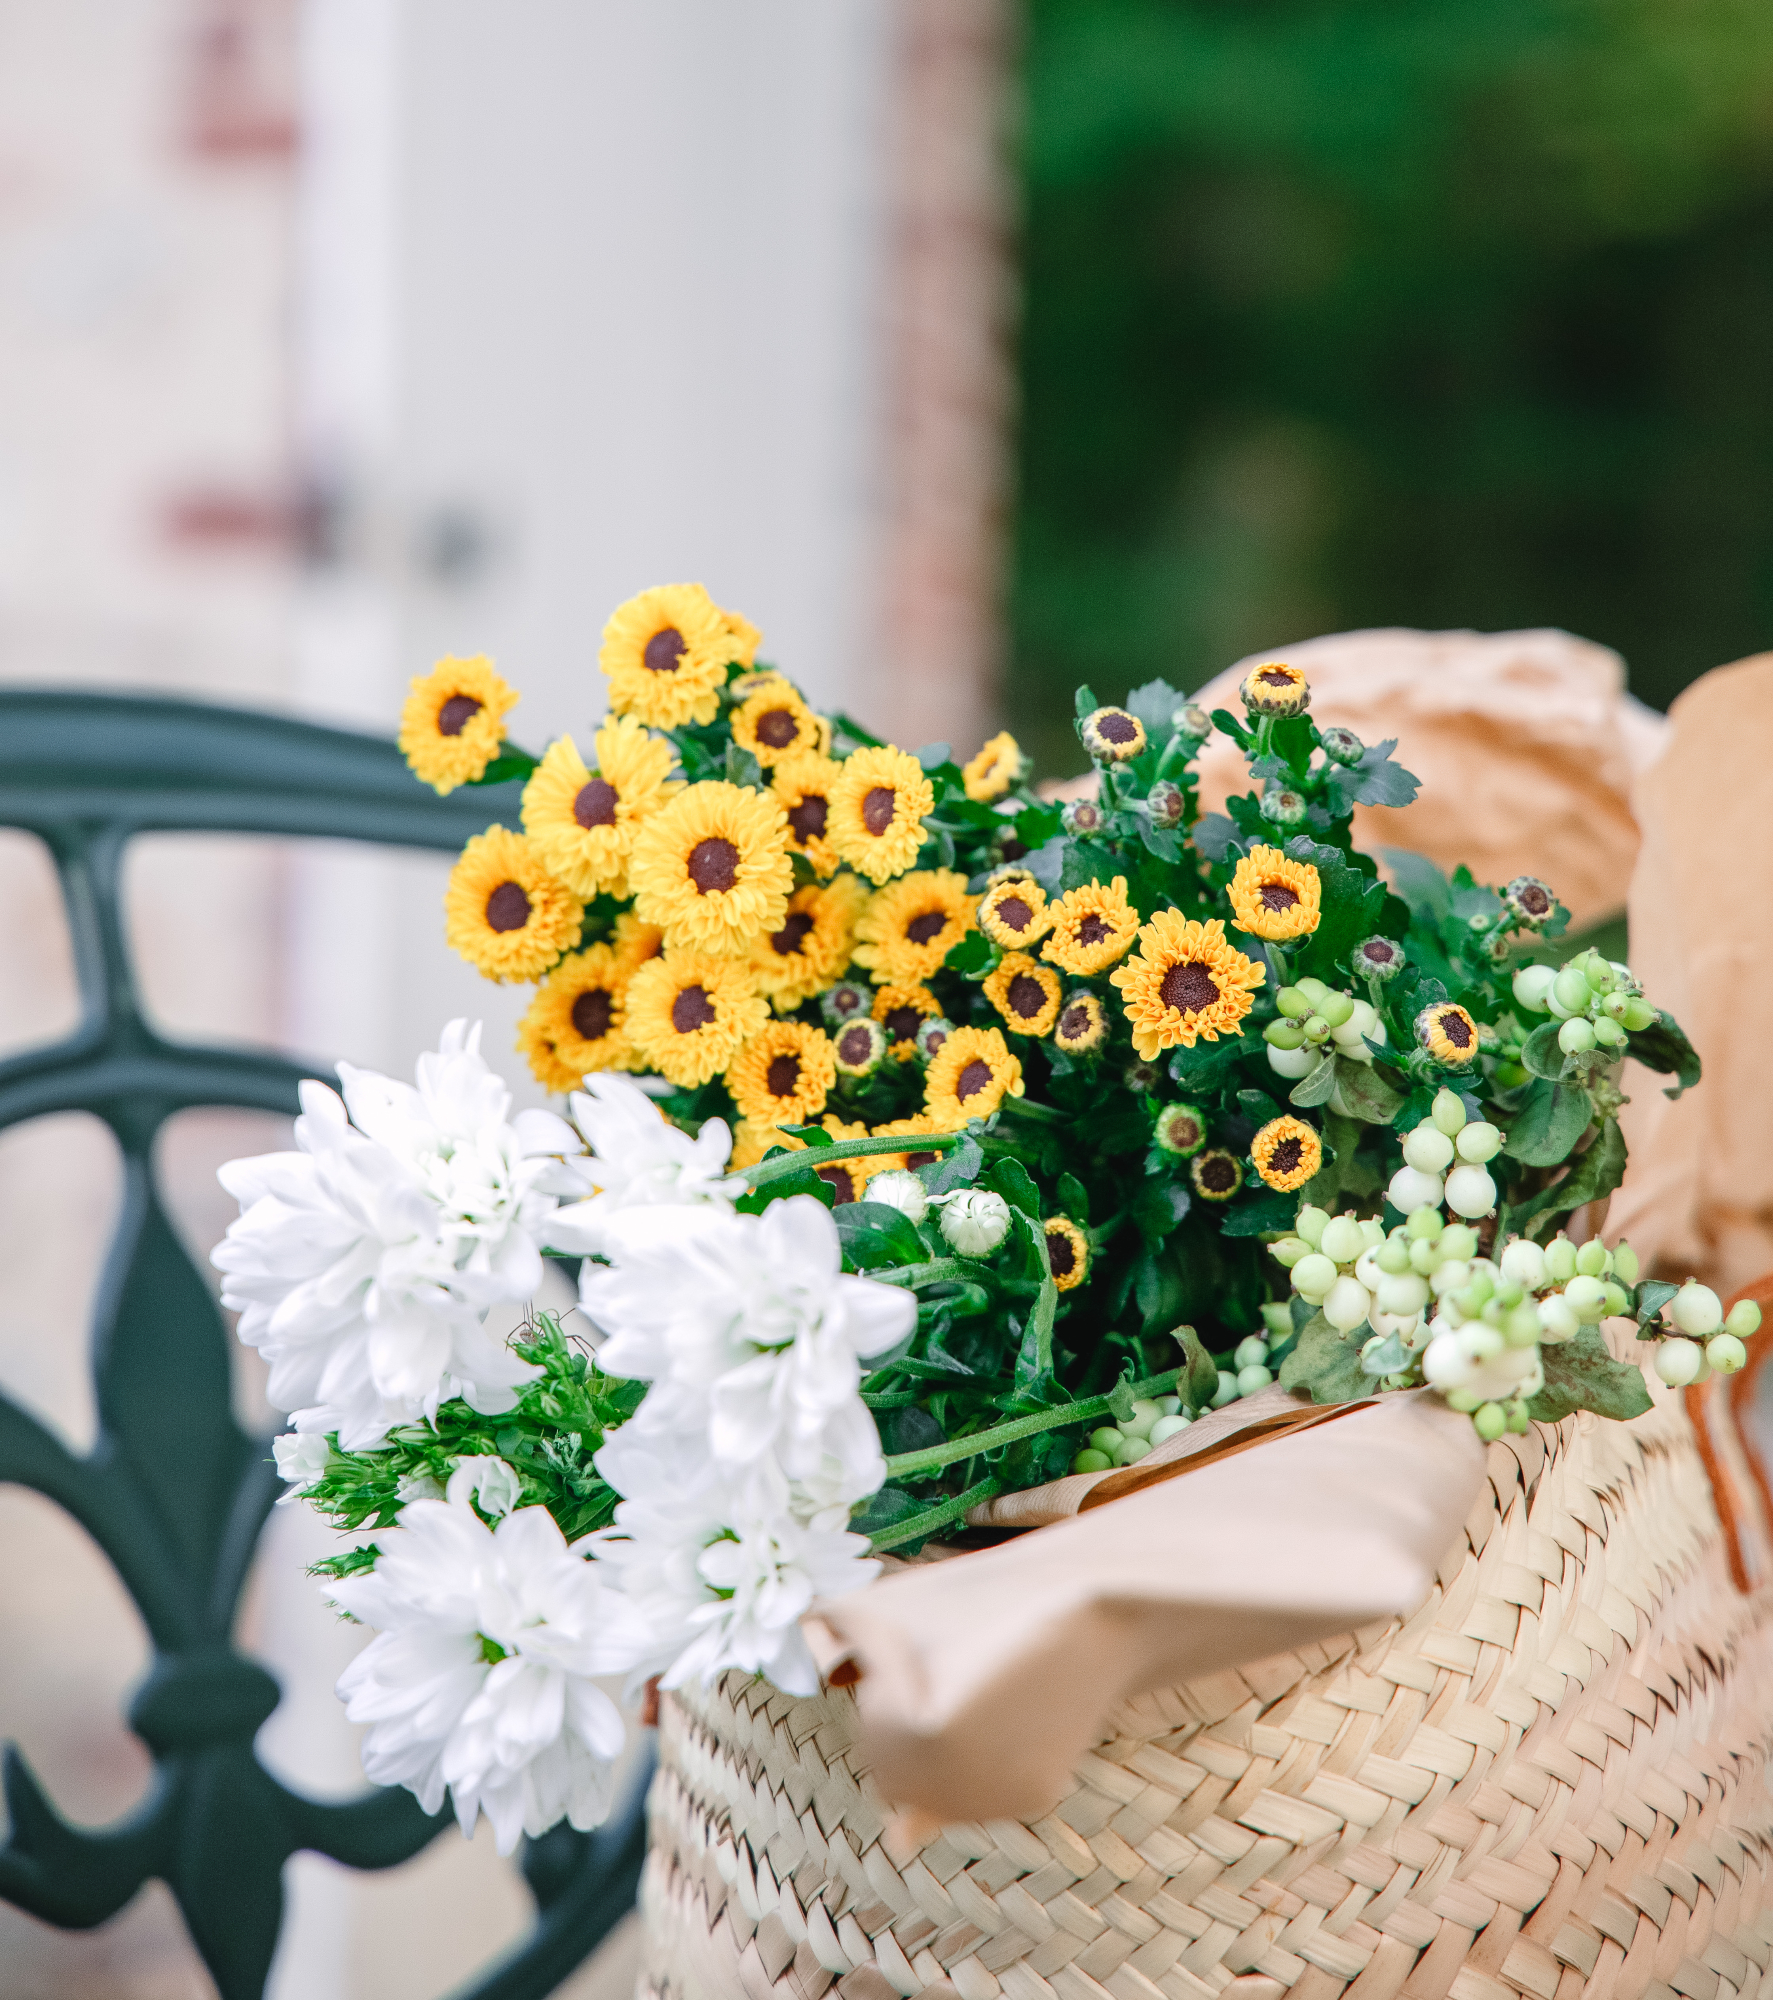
column 984, row 1678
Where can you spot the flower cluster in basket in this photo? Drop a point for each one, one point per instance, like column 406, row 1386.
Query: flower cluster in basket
column 923, row 1138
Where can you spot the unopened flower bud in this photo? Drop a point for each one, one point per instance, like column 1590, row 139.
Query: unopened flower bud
column 1575, row 1036
column 1470, row 1190
column 1743, row 1319
column 975, row 1221
column 902, row 1190
column 1342, row 746
column 1274, row 689
column 1165, row 804
column 1180, row 1129
column 1696, row 1309
column 1529, row 900
column 1428, row 1149
column 860, row 1047
column 1725, row 1353
column 1281, row 807
column 844, row 1001
column 1532, row 986
column 1411, row 1189
column 1678, row 1361
column 1379, row 957
column 1081, row 817
column 1112, row 735
column 1141, row 1077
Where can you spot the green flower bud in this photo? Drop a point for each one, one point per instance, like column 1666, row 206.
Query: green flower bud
column 1283, row 807
column 1292, row 1003
column 1090, row 1460
column 1625, row 1264
column 1508, row 1074
column 1490, row 1420
column 1560, row 1260
column 1449, row 1112
column 1592, row 1259
column 1575, row 1036
column 1283, row 1034
column 1309, row 1223
column 1743, row 1319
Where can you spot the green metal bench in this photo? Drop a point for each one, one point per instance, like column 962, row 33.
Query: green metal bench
column 85, row 773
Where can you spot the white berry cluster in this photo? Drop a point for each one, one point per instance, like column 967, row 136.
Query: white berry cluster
column 1315, row 1021
column 1705, row 1339
column 1445, row 1159
column 1597, row 999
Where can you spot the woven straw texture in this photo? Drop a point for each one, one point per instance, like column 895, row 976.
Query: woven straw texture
column 1550, row 1781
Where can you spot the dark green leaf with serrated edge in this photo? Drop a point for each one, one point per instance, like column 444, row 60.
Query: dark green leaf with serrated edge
column 1551, row 1119
column 1154, row 704
column 1324, row 1366
column 1581, row 1374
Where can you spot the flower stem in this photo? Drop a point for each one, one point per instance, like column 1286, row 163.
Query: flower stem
column 933, row 1518
column 1039, row 1114
column 846, row 1149
column 939, row 1270
column 909, row 1464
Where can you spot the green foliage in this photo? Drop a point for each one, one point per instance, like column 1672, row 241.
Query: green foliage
column 1581, row 1374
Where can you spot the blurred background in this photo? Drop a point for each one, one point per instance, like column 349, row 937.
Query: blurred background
column 971, row 348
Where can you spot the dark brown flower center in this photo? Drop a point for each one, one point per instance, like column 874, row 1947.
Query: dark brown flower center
column 507, row 908
column 1014, row 914
column 778, row 727
column 922, row 929
column 1218, row 1172
column 782, row 1078
column 1278, row 896
column 1534, row 900
column 692, row 1009
column 1379, row 951
column 855, row 1045
column 593, row 1011
column 1457, row 1029
column 1185, row 1131
column 973, row 1079
column 1075, row 1023
column 786, row 942
column 846, row 999
column 713, row 865
column 932, row 1043
column 807, row 820
column 902, row 1023
column 595, row 804
column 1061, row 1254
column 1287, row 1155
column 1094, row 929
column 1116, row 727
column 1275, row 677
column 920, row 1159
column 1027, row 996
column 1188, row 987
column 878, row 807
column 456, row 713
column 663, row 650
column 841, row 1180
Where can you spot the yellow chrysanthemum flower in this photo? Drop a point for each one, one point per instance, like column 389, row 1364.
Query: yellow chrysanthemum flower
column 813, row 944
column 1448, row 1033
column 666, row 653
column 1094, row 926
column 1081, row 1026
column 690, row 1012
column 901, row 1011
column 783, row 1074
column 581, row 821
column 742, row 635
column 504, row 912
column 1274, row 896
column 1013, row 912
column 634, row 942
column 909, row 928
column 972, row 1074
column 1287, row 1153
column 1112, row 735
column 877, row 811
column 453, row 721
column 996, row 768
column 804, row 783
column 774, row 723
column 574, row 1024
column 752, row 1141
column 919, row 1126
column 711, row 868
column 1184, row 982
column 1275, row 689
column 1068, row 1252
column 1025, row 993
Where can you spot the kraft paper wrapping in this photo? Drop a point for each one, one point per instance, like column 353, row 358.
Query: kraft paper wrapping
column 985, row 1676
column 1698, row 1193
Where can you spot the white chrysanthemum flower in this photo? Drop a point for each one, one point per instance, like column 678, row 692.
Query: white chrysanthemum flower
column 301, row 1460
column 489, row 1482
column 363, row 1263
column 479, row 1678
column 637, row 1159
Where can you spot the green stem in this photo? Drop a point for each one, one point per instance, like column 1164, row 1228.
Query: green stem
column 933, row 1518
column 846, row 1149
column 938, row 1271
column 912, row 1464
column 1038, row 1114
column 1044, row 1309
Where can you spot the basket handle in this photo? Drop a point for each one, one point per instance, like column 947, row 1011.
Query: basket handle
column 1720, row 1411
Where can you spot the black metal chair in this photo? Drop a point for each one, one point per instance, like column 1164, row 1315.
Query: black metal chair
column 84, row 773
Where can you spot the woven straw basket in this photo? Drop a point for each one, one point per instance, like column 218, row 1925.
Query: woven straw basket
column 1551, row 1780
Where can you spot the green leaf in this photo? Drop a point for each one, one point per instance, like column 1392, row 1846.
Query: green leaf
column 814, row 1135
column 1257, row 1105
column 1225, row 721
column 1154, row 704
column 1089, row 861
column 972, row 957
column 1593, row 1174
column 1315, row 1085
column 1324, row 1365
column 1203, row 1066
column 508, row 764
column 1653, row 1294
column 1259, row 1215
column 1581, row 1374
column 957, row 1168
column 1156, row 1209
column 873, row 1234
column 1359, row 1091
column 1085, row 702
column 1551, row 1119
column 1541, row 1055
column 1345, row 1170
column 1663, row 1046
column 1375, row 780
column 1074, row 1198
column 741, row 767
column 1200, row 1372
column 882, row 1509
column 1013, row 1181
column 1351, row 905
column 1419, row 883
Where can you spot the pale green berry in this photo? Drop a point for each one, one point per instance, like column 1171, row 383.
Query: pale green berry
column 1374, row 1232
column 1313, row 1276
column 1292, row 1003
column 1335, row 1008
column 1625, row 1264
column 1107, row 1439
column 1405, row 1294
column 1520, row 1326
column 1639, row 1015
column 1586, row 1297
column 1524, row 1262
column 1616, row 1006
column 1678, row 1361
column 1448, row 1112
column 1725, row 1353
column 1424, row 1255
column 1227, row 1389
column 1313, row 989
column 1575, row 1036
column 1423, row 1225
column 1428, row 1149
column 1592, row 1259
column 1309, row 1223
column 1458, row 1241
column 1743, row 1319
column 1289, row 1250
column 1283, row 1035
column 1532, row 984
column 1470, row 1190
column 1463, row 1400
column 1560, row 1260
column 1145, row 1414
column 1696, row 1309
column 1091, row 1460
column 1251, row 1352
column 1508, row 1293
column 1393, row 1255
column 1479, row 1142
column 1600, row 975
column 1618, row 1300
column 1170, row 1405
column 1316, row 1028
column 1132, row 1449
column 1249, row 1380
column 1520, row 1420
column 1167, row 1427
column 1557, row 1318
column 1608, row 1034
column 1490, row 1421
column 1572, row 988
column 1342, row 1239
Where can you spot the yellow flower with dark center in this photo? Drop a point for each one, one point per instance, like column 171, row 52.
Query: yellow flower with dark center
column 970, row 1076
column 804, row 782
column 901, row 1011
column 1013, row 912
column 666, row 653
column 711, row 868
column 575, row 1023
column 1025, row 993
column 690, row 1012
column 1274, row 896
column 1287, row 1153
column 877, row 811
column 996, row 768
column 1184, row 982
column 1068, row 1252
column 919, row 1126
column 742, row 636
column 812, row 945
column 1216, row 1175
column 1094, row 926
column 774, row 723
column 783, row 1074
column 453, row 721
column 1448, row 1033
column 1081, row 1026
column 910, row 927
column 504, row 912
column 581, row 821
column 1112, row 735
column 1274, row 689
column 634, row 942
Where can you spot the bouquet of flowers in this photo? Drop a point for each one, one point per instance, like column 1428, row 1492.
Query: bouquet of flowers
column 924, row 1138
